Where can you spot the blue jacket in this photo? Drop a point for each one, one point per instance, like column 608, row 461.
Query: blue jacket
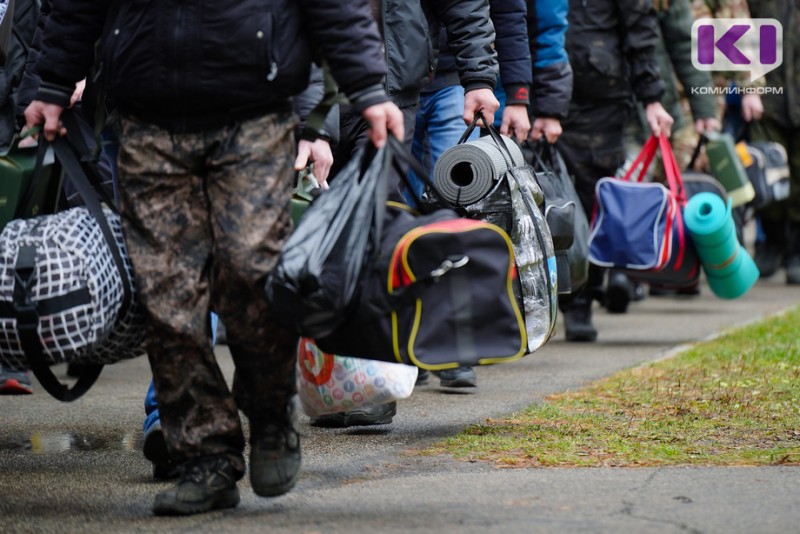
column 552, row 74
column 534, row 66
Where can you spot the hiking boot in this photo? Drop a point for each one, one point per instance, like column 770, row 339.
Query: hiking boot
column 460, row 377
column 578, row 320
column 619, row 293
column 379, row 414
column 15, row 382
column 206, row 483
column 155, row 449
column 768, row 257
column 274, row 452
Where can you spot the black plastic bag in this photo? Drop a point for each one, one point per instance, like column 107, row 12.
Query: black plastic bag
column 568, row 223
column 316, row 277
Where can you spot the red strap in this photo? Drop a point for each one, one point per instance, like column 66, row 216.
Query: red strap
column 672, row 170
column 645, row 158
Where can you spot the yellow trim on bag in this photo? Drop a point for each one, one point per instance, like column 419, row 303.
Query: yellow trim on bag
column 406, row 242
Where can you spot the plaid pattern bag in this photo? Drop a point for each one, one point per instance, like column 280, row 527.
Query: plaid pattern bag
column 66, row 288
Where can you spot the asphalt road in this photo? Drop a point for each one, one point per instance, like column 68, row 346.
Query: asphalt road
column 77, row 467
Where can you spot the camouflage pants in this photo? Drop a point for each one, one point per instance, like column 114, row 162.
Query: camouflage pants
column 205, row 216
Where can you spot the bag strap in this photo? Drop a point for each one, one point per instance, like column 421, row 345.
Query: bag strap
column 671, row 170
column 493, row 133
column 645, row 159
column 701, row 141
column 27, row 315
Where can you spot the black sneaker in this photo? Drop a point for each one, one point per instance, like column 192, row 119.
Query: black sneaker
column 155, row 450
column 578, row 321
column 380, row 414
column 460, row 377
column 206, row 483
column 275, row 452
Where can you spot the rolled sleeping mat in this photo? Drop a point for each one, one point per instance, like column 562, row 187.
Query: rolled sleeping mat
column 466, row 172
column 730, row 270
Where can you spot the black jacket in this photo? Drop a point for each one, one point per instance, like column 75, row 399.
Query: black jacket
column 513, row 52
column 26, row 13
column 411, row 28
column 194, row 64
column 612, row 50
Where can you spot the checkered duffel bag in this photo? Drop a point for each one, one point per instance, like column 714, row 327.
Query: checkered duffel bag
column 66, row 288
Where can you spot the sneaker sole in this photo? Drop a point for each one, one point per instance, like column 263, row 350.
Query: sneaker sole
column 459, row 383
column 12, row 386
column 349, row 419
column 229, row 499
column 583, row 338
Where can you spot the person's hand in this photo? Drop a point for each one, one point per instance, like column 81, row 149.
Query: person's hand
column 516, row 122
column 319, row 153
column 752, row 107
column 547, row 127
column 658, row 119
column 39, row 112
column 383, row 118
column 482, row 100
column 77, row 94
column 707, row 125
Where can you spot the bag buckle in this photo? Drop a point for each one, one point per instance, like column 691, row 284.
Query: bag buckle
column 448, row 265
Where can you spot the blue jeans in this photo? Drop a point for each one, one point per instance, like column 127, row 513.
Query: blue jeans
column 440, row 125
column 150, row 405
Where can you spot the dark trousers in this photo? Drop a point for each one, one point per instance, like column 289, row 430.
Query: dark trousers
column 592, row 146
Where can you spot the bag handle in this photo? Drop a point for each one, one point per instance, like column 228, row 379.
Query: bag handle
column 645, row 159
column 671, row 169
column 493, row 133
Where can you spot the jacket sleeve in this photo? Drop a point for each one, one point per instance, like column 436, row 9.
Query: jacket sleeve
column 470, row 35
column 513, row 51
column 305, row 102
column 552, row 73
column 639, row 40
column 676, row 31
column 30, row 80
column 348, row 36
column 66, row 50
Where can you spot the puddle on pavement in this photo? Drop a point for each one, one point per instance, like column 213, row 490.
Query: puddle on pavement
column 50, row 442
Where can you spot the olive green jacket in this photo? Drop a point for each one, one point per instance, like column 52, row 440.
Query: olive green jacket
column 674, row 52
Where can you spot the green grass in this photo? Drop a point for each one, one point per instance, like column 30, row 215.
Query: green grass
column 731, row 401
